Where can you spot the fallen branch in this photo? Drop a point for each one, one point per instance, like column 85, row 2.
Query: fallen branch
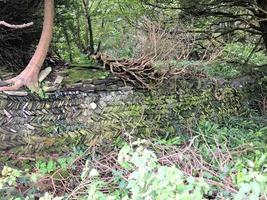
column 13, row 26
column 141, row 71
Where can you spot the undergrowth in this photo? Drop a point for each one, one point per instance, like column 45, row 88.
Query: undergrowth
column 214, row 161
column 236, row 59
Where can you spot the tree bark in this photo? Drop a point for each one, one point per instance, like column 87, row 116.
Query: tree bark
column 89, row 29
column 39, row 56
column 67, row 38
column 91, row 36
column 262, row 15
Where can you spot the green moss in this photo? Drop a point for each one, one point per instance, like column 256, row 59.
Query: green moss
column 167, row 114
column 77, row 74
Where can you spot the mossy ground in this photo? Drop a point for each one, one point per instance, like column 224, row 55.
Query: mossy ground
column 78, row 74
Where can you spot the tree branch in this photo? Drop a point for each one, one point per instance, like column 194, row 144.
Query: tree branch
column 13, row 26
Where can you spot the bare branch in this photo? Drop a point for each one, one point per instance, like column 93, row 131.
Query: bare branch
column 13, row 26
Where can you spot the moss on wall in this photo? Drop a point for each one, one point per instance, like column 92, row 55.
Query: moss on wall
column 168, row 113
column 77, row 117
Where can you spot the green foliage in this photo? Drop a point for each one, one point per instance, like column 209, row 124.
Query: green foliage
column 149, row 180
column 76, row 74
column 191, row 113
column 234, row 133
column 9, row 180
column 223, row 70
column 251, row 177
column 240, row 52
column 111, row 28
column 237, row 133
column 9, row 177
column 47, row 167
column 141, row 175
column 235, row 60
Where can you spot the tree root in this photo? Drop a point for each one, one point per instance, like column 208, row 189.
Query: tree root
column 141, row 72
column 18, row 82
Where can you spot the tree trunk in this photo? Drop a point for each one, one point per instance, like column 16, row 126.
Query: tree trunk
column 67, row 38
column 262, row 15
column 89, row 29
column 29, row 76
column 91, row 36
column 39, row 56
column 263, row 26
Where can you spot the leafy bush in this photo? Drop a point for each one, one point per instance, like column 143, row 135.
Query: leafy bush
column 240, row 52
column 251, row 178
column 149, row 180
column 223, row 70
column 236, row 59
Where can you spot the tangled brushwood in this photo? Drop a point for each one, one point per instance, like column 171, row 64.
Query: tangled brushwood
column 141, row 72
column 17, row 45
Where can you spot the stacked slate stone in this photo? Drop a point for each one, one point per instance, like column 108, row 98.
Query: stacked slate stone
column 17, row 45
